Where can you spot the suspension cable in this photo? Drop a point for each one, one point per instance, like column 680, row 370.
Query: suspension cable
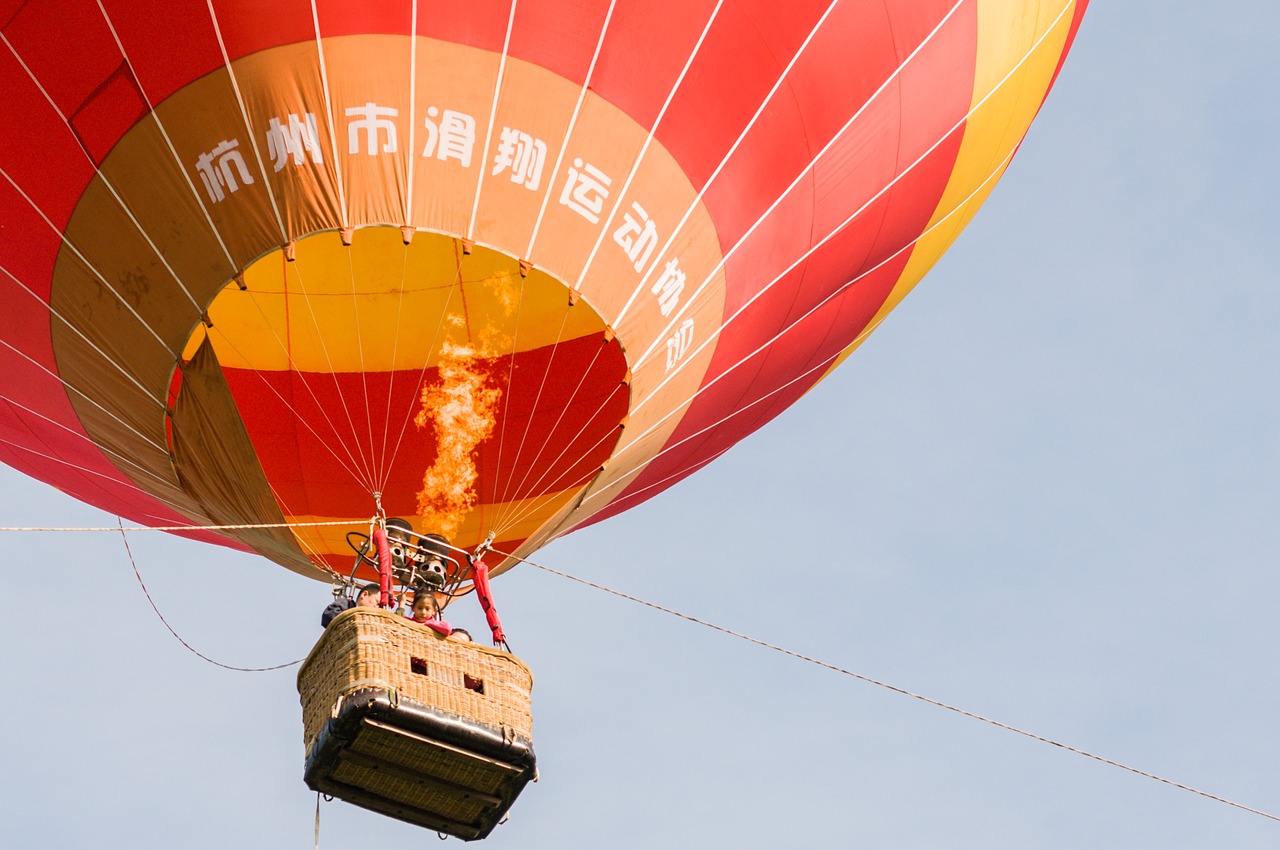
column 189, row 647
column 122, row 529
column 894, row 688
column 244, row 525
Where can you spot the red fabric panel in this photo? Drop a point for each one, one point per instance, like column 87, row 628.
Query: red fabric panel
column 342, row 17
column 103, row 119
column 248, row 26
column 928, row 100
column 649, row 42
column 760, row 389
column 308, row 467
column 168, row 44
column 68, row 47
column 835, row 324
column 480, row 23
column 9, row 9
column 745, row 54
column 37, row 150
column 28, row 248
column 50, row 454
column 561, row 37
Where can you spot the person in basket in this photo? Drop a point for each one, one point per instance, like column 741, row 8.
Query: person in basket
column 426, row 611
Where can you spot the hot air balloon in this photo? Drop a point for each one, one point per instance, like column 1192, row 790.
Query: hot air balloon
column 502, row 268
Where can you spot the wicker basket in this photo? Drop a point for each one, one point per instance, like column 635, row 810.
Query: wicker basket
column 400, row 720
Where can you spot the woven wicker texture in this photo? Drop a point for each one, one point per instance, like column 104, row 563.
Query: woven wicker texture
column 372, row 648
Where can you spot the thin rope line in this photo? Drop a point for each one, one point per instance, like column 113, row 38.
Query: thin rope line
column 635, row 441
column 644, row 149
column 84, row 469
column 328, row 115
column 894, row 688
column 511, row 374
column 310, row 552
column 493, row 116
column 88, row 265
column 243, row 525
column 866, row 331
column 821, row 365
column 356, row 451
column 248, row 124
column 544, row 535
column 550, row 432
column 364, row 376
column 98, row 171
column 633, row 409
column 413, row 116
column 181, row 168
column 679, row 228
column 72, row 388
column 507, row 487
column 294, row 368
column 516, row 514
column 107, row 358
column 722, row 264
column 116, row 456
column 191, row 648
column 568, row 133
column 553, row 489
column 415, row 398
column 174, row 506
column 999, row 169
column 384, row 466
column 957, row 127
column 569, row 523
column 902, row 174
column 350, row 469
column 806, row 171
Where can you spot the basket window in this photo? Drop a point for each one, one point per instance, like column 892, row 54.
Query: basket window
column 418, row 665
column 472, row 683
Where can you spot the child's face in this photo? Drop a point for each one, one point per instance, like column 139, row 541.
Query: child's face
column 424, row 607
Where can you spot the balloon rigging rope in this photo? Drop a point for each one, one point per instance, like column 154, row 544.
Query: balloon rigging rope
column 901, row 691
column 121, row 528
column 172, row 528
column 165, row 622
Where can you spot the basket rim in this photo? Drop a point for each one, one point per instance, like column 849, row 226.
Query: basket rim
column 405, row 622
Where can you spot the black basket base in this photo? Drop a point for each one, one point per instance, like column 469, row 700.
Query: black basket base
column 423, row 766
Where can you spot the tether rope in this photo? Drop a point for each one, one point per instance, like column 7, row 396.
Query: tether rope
column 177, row 636
column 688, row 618
column 902, row 691
column 184, row 527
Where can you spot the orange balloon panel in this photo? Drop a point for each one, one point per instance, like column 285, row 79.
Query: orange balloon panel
column 501, row 269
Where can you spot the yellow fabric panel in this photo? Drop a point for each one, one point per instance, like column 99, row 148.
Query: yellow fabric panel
column 1002, row 110
column 378, row 305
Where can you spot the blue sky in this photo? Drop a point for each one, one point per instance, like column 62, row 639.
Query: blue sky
column 1044, row 491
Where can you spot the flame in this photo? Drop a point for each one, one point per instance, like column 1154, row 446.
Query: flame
column 461, row 405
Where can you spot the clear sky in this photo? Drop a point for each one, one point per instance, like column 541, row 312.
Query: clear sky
column 1045, row 491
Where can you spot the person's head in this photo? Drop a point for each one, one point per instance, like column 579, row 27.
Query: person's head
column 368, row 596
column 461, row 634
column 425, row 606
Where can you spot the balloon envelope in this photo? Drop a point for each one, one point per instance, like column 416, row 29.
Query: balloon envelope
column 500, row 267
